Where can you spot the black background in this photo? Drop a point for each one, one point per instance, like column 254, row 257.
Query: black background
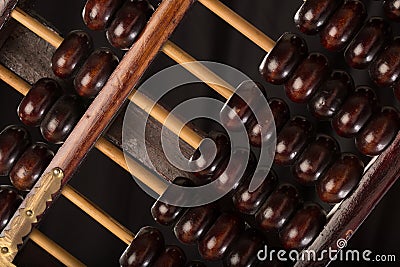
column 206, row 37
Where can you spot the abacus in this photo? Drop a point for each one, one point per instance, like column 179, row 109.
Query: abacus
column 80, row 119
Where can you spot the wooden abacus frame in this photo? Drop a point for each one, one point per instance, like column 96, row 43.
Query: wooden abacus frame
column 380, row 175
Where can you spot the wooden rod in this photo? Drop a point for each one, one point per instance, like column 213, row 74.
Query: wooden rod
column 44, row 32
column 158, row 112
column 14, row 81
column 97, row 214
column 243, row 26
column 54, row 249
column 199, row 70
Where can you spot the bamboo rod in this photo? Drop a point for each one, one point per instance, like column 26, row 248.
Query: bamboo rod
column 54, row 249
column 44, row 32
column 199, row 70
column 160, row 114
column 240, row 24
column 97, row 214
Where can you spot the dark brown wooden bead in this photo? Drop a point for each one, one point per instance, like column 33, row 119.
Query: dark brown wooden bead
column 237, row 113
column 215, row 243
column 194, row 223
column 95, row 72
column 40, row 98
column 385, row 69
column 204, row 159
column 242, row 165
column 249, row 202
column 166, row 214
column 279, row 64
column 307, row 77
column 303, row 227
column 331, row 95
column 315, row 159
column 9, row 203
column 98, row 13
column 292, row 140
column 71, row 53
column 391, row 8
column 61, row 119
column 243, row 252
column 172, row 256
column 128, row 23
column 340, row 178
column 30, row 166
column 379, row 132
column 355, row 112
column 313, row 15
column 195, row 264
column 343, row 24
column 281, row 114
column 144, row 249
column 13, row 142
column 280, row 205
column 368, row 42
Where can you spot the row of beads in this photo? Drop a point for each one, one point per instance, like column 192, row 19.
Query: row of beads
column 148, row 249
column 315, row 160
column 352, row 113
column 122, row 20
column 371, row 46
column 274, row 210
column 74, row 57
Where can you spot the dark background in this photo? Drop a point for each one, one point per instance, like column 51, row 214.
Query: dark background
column 206, row 37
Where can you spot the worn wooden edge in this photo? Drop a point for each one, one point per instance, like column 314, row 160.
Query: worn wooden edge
column 352, row 212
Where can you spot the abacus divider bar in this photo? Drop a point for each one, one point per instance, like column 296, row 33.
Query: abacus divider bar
column 237, row 22
column 97, row 214
column 45, row 33
column 158, row 112
column 54, row 249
